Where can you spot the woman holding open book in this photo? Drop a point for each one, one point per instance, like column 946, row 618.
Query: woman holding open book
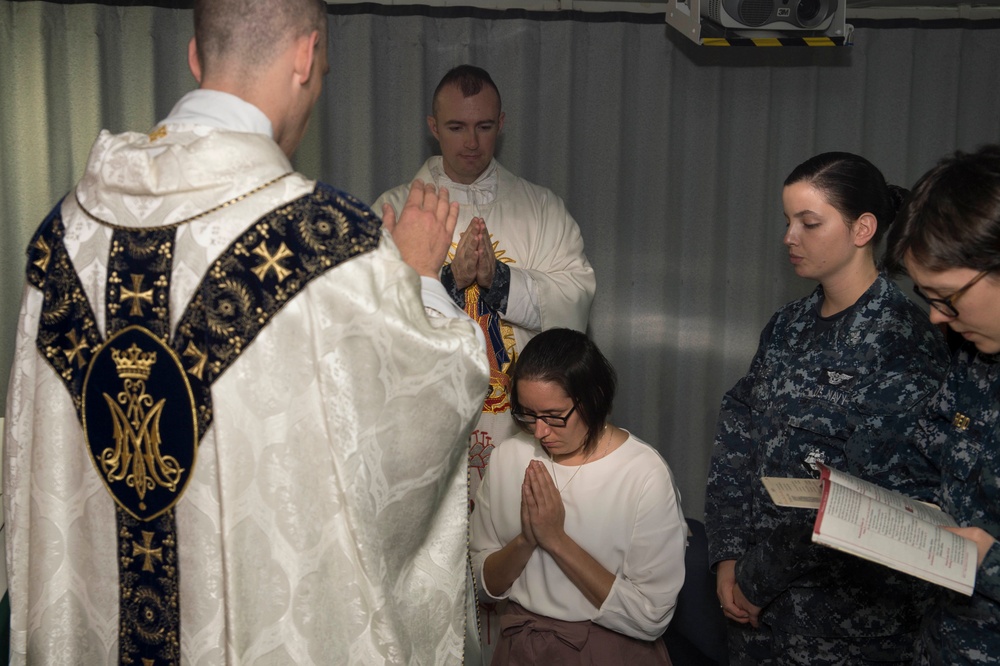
column 948, row 238
column 831, row 369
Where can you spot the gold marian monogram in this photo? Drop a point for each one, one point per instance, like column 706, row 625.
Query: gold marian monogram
column 136, row 456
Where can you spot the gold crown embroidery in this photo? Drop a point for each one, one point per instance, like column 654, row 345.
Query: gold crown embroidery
column 133, row 363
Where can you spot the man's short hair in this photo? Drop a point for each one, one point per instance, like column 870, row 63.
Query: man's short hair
column 249, row 34
column 470, row 80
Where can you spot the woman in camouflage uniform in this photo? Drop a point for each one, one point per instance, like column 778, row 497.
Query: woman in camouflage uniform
column 831, row 369
column 948, row 237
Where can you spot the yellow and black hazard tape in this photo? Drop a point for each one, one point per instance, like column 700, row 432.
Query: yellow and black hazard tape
column 773, row 41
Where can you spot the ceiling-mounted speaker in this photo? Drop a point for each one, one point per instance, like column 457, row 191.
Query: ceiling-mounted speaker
column 781, row 15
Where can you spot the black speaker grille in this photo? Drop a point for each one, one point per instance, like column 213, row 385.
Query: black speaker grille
column 713, row 9
column 756, row 12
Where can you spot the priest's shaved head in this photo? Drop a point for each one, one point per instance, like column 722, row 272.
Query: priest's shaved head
column 247, row 35
column 269, row 53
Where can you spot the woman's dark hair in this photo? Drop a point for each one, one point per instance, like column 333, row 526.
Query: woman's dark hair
column 952, row 219
column 573, row 362
column 852, row 185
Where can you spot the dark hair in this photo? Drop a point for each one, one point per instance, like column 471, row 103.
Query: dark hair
column 249, row 33
column 573, row 362
column 852, row 185
column 952, row 219
column 469, row 79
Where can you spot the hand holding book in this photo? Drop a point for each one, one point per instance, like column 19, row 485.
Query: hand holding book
column 983, row 540
column 883, row 526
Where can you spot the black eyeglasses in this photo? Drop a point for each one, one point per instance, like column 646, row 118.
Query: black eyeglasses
column 946, row 306
column 526, row 419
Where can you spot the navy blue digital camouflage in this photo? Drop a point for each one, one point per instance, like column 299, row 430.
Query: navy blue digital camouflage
column 960, row 435
column 822, row 388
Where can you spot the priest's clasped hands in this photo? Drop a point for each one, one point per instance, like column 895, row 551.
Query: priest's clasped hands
column 474, row 258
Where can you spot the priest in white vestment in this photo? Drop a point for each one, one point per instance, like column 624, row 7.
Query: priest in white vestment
column 238, row 411
column 517, row 263
column 533, row 273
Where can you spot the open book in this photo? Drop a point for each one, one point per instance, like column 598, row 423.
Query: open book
column 881, row 525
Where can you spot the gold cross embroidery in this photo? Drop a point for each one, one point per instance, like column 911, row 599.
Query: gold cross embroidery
column 136, row 295
column 43, row 261
column 271, row 262
column 76, row 351
column 199, row 366
column 147, row 551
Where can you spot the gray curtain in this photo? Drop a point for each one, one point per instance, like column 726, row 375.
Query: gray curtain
column 670, row 156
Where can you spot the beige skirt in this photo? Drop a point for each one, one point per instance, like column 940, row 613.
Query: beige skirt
column 529, row 639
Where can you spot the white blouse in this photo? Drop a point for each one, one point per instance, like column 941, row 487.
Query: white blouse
column 623, row 509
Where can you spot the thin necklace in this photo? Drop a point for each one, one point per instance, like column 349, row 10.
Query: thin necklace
column 578, row 467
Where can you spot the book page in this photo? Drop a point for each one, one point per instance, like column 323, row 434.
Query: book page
column 893, row 535
column 922, row 510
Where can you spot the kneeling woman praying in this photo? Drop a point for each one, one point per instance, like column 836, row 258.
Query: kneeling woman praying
column 577, row 523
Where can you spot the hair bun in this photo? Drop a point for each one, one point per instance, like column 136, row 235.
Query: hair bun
column 897, row 195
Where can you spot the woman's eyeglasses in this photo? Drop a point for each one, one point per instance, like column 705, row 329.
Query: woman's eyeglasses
column 527, row 419
column 946, row 306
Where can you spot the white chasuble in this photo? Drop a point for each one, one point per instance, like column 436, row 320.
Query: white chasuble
column 322, row 519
